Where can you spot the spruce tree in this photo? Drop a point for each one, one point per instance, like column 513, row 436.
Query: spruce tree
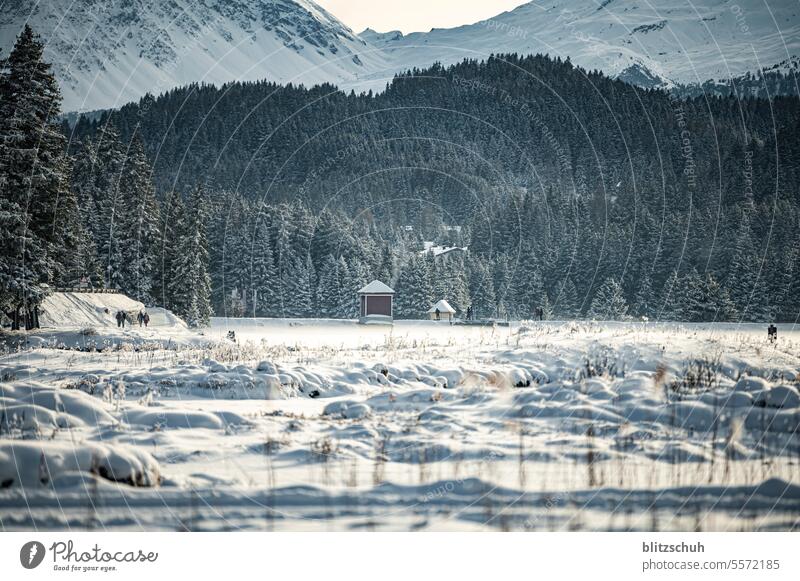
column 299, row 288
column 329, row 288
column 264, row 282
column 566, row 304
column 138, row 226
column 672, row 300
column 190, row 286
column 414, row 294
column 482, row 292
column 644, row 301
column 167, row 248
column 33, row 177
column 609, row 302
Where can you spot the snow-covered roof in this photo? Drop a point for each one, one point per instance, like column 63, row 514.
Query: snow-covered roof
column 376, row 287
column 443, row 306
column 440, row 250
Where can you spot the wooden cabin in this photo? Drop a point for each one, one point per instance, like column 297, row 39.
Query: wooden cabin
column 375, row 303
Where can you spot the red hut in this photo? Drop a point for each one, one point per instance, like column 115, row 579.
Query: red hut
column 375, row 303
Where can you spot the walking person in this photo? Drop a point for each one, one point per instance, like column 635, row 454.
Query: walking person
column 146, row 319
column 140, row 318
column 119, row 318
column 772, row 333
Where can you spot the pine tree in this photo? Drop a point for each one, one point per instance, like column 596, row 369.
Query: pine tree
column 346, row 307
column 452, row 285
column 191, row 284
column 484, row 301
column 33, row 177
column 715, row 303
column 329, row 288
column 167, row 249
column 566, row 305
column 745, row 280
column 644, row 301
column 609, row 302
column 693, row 300
column 672, row 299
column 385, row 269
column 138, row 224
column 414, row 294
column 299, row 287
column 264, row 282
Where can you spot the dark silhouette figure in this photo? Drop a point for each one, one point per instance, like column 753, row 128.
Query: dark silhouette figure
column 438, row 314
column 146, row 318
column 120, row 319
column 140, row 318
column 469, row 313
column 772, row 333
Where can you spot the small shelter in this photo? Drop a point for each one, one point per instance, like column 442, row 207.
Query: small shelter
column 442, row 311
column 375, row 303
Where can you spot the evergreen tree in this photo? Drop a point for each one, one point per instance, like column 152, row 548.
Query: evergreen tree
column 452, row 285
column 385, row 269
column 329, row 288
column 167, row 249
column 414, row 295
column 346, row 307
column 299, row 287
column 138, row 226
column 191, row 284
column 482, row 292
column 644, row 303
column 746, row 282
column 567, row 305
column 672, row 299
column 609, row 302
column 264, row 283
column 109, row 157
column 33, row 177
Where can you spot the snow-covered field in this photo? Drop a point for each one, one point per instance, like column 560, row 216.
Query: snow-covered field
column 328, row 425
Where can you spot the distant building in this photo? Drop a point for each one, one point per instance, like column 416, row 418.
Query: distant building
column 375, row 303
column 442, row 311
column 443, row 253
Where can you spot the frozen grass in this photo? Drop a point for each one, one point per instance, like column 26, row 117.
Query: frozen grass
column 328, row 425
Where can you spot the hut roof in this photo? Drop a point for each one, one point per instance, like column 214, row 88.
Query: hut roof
column 376, row 287
column 443, row 306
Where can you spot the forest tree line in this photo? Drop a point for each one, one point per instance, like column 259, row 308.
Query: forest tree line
column 573, row 193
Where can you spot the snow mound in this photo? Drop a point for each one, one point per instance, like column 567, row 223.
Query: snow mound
column 85, row 310
column 34, row 407
column 39, row 463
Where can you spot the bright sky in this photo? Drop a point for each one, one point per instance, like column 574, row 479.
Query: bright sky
column 414, row 15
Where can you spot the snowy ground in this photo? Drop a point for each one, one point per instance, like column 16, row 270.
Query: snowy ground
column 328, row 425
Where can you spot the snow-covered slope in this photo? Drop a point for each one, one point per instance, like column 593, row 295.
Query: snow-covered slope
column 648, row 43
column 108, row 52
column 76, row 310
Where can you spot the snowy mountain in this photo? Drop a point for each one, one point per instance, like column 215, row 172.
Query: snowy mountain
column 647, row 43
column 108, row 52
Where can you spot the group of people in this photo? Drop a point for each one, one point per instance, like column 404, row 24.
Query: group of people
column 143, row 317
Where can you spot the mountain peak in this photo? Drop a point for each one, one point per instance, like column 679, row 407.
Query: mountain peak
column 106, row 54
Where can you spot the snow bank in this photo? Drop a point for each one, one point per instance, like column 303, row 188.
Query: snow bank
column 85, row 309
column 40, row 463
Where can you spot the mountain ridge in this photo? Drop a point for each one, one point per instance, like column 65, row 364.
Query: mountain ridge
column 106, row 54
